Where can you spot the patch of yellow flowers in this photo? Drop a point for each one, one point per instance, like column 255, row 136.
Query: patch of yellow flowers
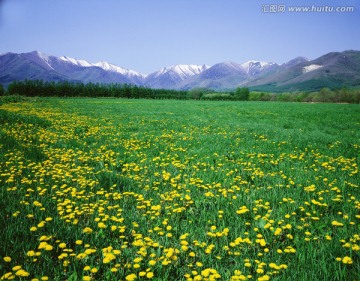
column 139, row 206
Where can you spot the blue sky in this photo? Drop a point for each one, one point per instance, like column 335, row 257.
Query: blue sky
column 146, row 35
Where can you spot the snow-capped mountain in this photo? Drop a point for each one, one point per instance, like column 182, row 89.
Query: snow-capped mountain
column 219, row 76
column 111, row 67
column 37, row 65
column 33, row 66
column 83, row 63
column 168, row 77
column 181, row 70
column 39, row 58
column 255, row 68
column 332, row 69
column 135, row 77
column 224, row 69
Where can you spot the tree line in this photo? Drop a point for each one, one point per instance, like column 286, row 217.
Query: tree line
column 39, row 88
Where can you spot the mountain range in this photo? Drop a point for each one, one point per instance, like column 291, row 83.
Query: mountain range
column 333, row 70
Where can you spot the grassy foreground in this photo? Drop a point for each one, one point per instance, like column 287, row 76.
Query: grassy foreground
column 112, row 189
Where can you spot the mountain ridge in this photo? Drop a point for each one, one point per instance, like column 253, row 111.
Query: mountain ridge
column 334, row 69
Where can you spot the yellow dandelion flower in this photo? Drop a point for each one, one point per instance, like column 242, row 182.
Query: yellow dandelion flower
column 336, row 223
column 87, row 230
column 81, row 256
column 48, row 247
column 101, row 225
column 130, row 277
column 242, row 210
column 22, row 273
column 16, row 268
column 347, row 260
column 264, row 278
column 41, row 224
column 30, row 253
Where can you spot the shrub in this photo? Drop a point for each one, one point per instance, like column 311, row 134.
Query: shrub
column 242, row 93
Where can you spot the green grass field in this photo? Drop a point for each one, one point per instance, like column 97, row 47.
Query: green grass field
column 116, row 189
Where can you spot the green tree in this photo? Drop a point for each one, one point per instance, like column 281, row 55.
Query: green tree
column 2, row 91
column 197, row 93
column 242, row 93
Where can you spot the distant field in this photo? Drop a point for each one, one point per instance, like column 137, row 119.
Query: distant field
column 117, row 189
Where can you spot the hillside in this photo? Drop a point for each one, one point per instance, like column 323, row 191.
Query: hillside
column 332, row 70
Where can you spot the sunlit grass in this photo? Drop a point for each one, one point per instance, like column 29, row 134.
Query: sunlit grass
column 112, row 189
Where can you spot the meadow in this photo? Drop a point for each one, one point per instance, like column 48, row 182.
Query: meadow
column 121, row 189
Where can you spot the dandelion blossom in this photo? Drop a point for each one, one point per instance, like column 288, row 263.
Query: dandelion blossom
column 347, row 260
column 22, row 273
column 130, row 277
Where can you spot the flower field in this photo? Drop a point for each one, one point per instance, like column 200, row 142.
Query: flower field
column 116, row 189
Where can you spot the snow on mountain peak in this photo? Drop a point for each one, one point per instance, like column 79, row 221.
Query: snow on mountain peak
column 311, row 67
column 258, row 64
column 182, row 70
column 111, row 67
column 102, row 64
column 83, row 63
column 39, row 54
column 39, row 58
